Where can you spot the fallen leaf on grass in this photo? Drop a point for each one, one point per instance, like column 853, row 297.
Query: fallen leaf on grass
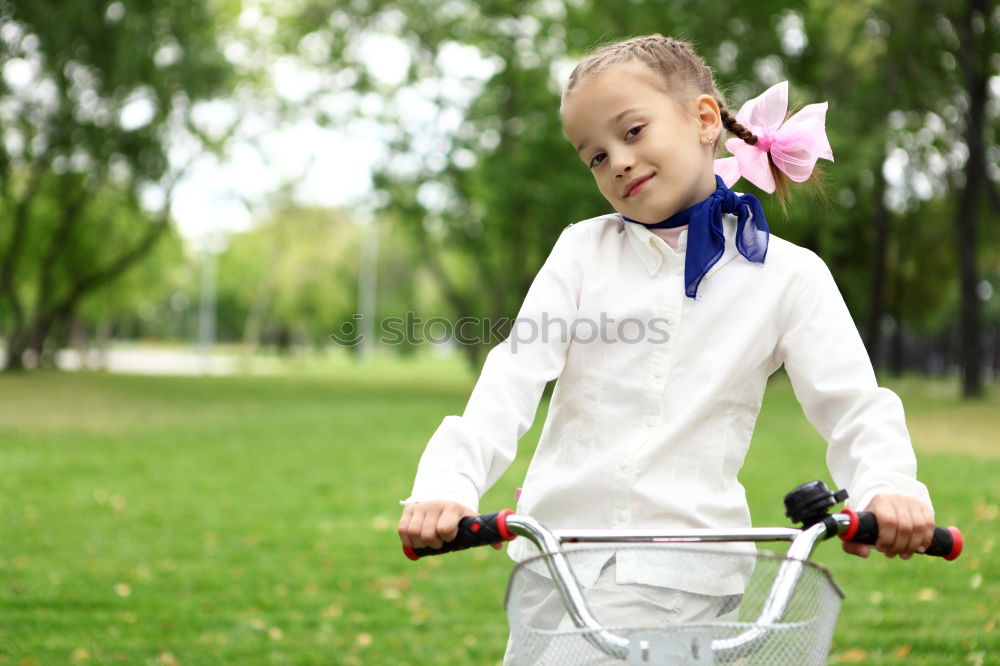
column 166, row 659
column 364, row 640
column 81, row 654
column 851, row 656
column 986, row 511
column 393, row 587
column 901, row 651
column 927, row 594
column 123, row 590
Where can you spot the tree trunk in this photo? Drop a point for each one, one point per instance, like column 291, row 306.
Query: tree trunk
column 17, row 344
column 36, row 329
column 881, row 222
column 897, row 351
column 968, row 209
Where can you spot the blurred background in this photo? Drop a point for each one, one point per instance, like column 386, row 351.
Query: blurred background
column 211, row 186
column 318, row 215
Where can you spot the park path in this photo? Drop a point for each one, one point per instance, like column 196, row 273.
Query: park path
column 146, row 360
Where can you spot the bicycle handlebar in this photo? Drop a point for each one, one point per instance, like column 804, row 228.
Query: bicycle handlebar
column 472, row 531
column 863, row 528
column 492, row 528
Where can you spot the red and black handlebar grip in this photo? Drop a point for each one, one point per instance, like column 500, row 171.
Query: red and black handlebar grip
column 947, row 541
column 472, row 531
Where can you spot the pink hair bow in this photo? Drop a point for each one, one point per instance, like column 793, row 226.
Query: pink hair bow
column 794, row 144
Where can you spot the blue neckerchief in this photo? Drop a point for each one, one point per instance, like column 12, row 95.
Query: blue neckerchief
column 706, row 241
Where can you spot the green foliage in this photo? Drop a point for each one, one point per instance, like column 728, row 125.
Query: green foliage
column 294, row 277
column 93, row 97
column 478, row 180
column 293, row 273
column 485, row 195
column 156, row 299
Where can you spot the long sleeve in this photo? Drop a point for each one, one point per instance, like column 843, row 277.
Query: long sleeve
column 468, row 453
column 869, row 449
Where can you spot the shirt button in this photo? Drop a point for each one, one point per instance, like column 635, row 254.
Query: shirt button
column 650, row 421
column 657, row 372
column 623, row 466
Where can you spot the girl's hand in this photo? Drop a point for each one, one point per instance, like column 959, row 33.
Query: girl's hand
column 905, row 526
column 432, row 523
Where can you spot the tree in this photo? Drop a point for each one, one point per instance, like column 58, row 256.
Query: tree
column 483, row 180
column 292, row 277
column 977, row 27
column 945, row 55
column 95, row 93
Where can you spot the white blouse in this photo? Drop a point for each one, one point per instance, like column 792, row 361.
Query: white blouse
column 658, row 393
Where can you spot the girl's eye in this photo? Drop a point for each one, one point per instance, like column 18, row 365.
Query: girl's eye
column 597, row 159
column 633, row 132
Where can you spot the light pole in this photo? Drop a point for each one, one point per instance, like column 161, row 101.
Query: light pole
column 367, row 285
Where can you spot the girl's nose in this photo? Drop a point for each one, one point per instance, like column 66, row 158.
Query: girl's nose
column 621, row 163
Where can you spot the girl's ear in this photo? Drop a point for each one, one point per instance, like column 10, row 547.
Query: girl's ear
column 709, row 116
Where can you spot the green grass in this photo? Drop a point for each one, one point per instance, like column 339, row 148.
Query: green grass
column 251, row 520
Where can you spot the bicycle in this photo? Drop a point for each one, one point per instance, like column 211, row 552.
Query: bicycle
column 785, row 614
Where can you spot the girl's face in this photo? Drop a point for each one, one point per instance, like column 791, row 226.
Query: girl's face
column 645, row 150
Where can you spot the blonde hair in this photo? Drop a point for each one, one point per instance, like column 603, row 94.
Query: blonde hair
column 681, row 69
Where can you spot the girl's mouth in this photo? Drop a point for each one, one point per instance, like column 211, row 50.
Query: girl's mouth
column 637, row 186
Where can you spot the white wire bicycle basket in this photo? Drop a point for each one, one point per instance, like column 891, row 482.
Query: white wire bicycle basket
column 747, row 629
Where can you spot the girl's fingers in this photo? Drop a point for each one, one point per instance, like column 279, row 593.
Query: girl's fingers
column 905, row 525
column 429, row 527
column 430, row 523
column 917, row 531
column 888, row 522
column 403, row 528
column 417, row 526
column 447, row 523
column 859, row 549
column 904, row 532
column 929, row 523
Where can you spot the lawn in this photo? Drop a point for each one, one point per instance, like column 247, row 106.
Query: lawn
column 251, row 520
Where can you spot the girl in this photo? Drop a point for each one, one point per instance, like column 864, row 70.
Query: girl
column 662, row 323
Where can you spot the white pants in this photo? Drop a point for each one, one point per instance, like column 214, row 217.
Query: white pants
column 613, row 605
